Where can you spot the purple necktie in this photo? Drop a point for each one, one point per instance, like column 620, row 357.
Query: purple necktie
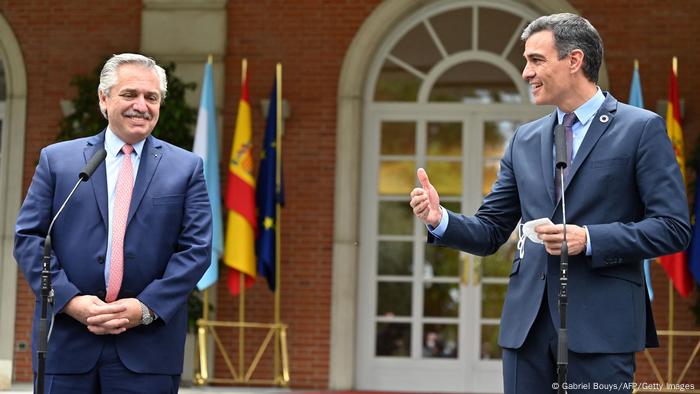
column 568, row 122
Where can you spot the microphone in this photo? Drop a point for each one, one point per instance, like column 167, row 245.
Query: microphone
column 560, row 146
column 92, row 164
column 46, row 290
column 563, row 336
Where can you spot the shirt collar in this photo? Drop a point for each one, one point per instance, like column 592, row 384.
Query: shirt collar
column 585, row 112
column 114, row 144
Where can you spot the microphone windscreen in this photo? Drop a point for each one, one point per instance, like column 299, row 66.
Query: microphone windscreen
column 560, row 146
column 92, row 164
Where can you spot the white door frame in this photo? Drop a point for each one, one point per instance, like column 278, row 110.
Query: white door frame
column 11, row 171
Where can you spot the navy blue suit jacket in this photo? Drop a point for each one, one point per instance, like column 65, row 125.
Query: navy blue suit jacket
column 625, row 186
column 167, row 248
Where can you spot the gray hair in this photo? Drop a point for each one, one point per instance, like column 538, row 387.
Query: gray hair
column 108, row 75
column 572, row 32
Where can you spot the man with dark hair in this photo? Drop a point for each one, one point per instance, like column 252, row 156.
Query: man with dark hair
column 625, row 200
column 128, row 248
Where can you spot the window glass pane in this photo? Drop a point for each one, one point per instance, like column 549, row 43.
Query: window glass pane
column 476, row 83
column 454, row 206
column 393, row 339
column 393, row 299
column 440, row 299
column 441, row 261
column 497, row 135
column 445, row 176
column 396, row 84
column 499, row 264
column 395, row 218
column 492, row 298
column 398, row 138
column 397, row 177
column 516, row 55
column 496, row 27
column 440, row 340
column 454, row 29
column 489, row 343
column 395, row 258
column 417, row 49
column 444, row 139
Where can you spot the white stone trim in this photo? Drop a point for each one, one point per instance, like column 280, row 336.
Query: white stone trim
column 11, row 174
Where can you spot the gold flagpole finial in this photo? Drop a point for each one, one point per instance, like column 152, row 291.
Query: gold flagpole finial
column 636, row 64
column 210, row 59
column 675, row 65
column 244, row 69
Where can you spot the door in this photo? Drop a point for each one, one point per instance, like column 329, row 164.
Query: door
column 428, row 316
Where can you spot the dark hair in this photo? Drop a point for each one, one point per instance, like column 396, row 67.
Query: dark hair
column 571, row 32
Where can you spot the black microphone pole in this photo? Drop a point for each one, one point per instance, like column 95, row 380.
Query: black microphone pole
column 46, row 292
column 563, row 339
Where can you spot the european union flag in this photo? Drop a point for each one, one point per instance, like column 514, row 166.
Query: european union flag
column 267, row 197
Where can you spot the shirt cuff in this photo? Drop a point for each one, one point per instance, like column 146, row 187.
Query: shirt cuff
column 588, row 242
column 439, row 231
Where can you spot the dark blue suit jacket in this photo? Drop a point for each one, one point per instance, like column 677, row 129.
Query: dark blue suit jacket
column 625, row 186
column 166, row 250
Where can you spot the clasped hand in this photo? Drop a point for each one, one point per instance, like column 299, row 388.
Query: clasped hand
column 104, row 318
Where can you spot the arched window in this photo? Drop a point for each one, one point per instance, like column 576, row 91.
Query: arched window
column 444, row 93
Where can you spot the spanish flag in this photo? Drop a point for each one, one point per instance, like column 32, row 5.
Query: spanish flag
column 239, row 253
column 676, row 265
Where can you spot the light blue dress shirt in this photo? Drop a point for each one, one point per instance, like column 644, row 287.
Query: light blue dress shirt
column 585, row 114
column 113, row 162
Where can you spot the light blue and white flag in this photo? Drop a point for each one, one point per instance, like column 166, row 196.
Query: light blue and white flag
column 637, row 100
column 206, row 146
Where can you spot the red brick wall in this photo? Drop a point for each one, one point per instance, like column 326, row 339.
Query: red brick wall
column 58, row 40
column 310, row 39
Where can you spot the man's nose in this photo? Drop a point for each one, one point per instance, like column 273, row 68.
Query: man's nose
column 140, row 104
column 527, row 72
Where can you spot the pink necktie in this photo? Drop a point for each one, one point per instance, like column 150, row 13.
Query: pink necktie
column 125, row 185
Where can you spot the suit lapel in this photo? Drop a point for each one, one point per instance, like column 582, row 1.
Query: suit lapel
column 98, row 180
column 546, row 157
column 595, row 131
column 150, row 157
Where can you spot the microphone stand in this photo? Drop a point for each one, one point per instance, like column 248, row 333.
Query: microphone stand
column 563, row 339
column 47, row 298
column 46, row 292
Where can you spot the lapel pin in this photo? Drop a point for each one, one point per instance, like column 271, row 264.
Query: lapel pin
column 604, row 118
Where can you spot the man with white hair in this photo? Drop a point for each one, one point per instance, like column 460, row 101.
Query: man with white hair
column 129, row 247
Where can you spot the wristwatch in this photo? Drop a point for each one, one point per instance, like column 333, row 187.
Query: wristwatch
column 146, row 315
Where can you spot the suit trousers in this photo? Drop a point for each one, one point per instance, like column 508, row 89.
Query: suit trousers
column 110, row 376
column 532, row 369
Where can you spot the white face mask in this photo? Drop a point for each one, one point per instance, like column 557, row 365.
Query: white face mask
column 527, row 230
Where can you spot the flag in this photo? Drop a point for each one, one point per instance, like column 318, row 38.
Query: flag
column 676, row 265
column 694, row 249
column 637, row 100
column 240, row 199
column 205, row 145
column 267, row 197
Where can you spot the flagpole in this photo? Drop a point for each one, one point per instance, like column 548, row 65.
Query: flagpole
column 278, row 239
column 205, row 293
column 241, row 275
column 671, row 303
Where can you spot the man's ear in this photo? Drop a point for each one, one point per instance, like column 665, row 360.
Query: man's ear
column 576, row 60
column 102, row 101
